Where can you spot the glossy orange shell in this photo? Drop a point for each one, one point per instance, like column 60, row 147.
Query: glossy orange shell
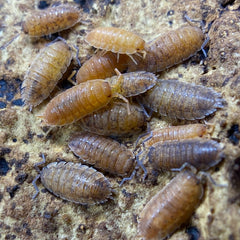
column 77, row 102
column 115, row 40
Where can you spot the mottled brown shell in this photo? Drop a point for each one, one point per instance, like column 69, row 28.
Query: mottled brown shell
column 169, row 49
column 179, row 100
column 199, row 153
column 114, row 120
column 51, row 20
column 101, row 66
column 170, row 207
column 45, row 71
column 103, row 153
column 175, row 133
column 115, row 40
column 76, row 183
column 77, row 102
column 132, row 84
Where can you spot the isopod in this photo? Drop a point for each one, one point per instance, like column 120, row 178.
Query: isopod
column 170, row 207
column 132, row 84
column 175, row 133
column 101, row 66
column 77, row 102
column 114, row 120
column 116, row 40
column 75, row 182
column 51, row 20
column 170, row 49
column 45, row 71
column 103, row 153
column 199, row 153
column 179, row 100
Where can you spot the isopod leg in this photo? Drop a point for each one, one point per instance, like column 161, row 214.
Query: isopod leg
column 204, row 44
column 128, row 178
column 70, row 78
column 77, row 54
column 185, row 165
column 9, row 42
column 55, row 40
column 117, row 95
column 211, row 179
column 40, row 163
column 35, row 186
column 139, row 163
column 132, row 59
column 143, row 135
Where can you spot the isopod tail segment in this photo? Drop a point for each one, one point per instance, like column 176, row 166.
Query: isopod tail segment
column 200, row 173
column 202, row 26
column 38, row 176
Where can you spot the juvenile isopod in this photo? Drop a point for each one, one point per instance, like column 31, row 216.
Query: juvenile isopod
column 179, row 100
column 40, row 23
column 132, row 84
column 170, row 49
column 75, row 182
column 101, row 66
column 200, row 153
column 103, row 153
column 51, row 20
column 114, row 120
column 175, row 133
column 116, row 40
column 170, row 207
column 45, row 71
column 77, row 102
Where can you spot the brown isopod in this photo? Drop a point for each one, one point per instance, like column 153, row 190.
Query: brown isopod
column 116, row 40
column 75, row 182
column 101, row 66
column 200, row 153
column 45, row 71
column 48, row 21
column 51, row 20
column 132, row 84
column 170, row 49
column 179, row 100
column 103, row 153
column 114, row 120
column 77, row 102
column 175, row 133
column 170, row 207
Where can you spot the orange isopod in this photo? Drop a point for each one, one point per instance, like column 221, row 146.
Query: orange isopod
column 51, row 20
column 175, row 133
column 101, row 66
column 77, row 102
column 114, row 120
column 103, row 153
column 170, row 49
column 45, row 71
column 76, row 183
column 116, row 40
column 170, row 207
